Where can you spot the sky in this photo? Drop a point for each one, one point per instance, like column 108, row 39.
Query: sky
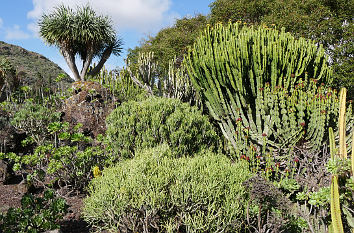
column 133, row 20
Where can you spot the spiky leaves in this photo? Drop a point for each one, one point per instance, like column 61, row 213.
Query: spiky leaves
column 81, row 32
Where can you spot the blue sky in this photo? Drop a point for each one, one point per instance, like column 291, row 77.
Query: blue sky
column 133, row 19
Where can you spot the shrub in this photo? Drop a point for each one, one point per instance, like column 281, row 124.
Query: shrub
column 35, row 215
column 148, row 123
column 156, row 192
column 69, row 158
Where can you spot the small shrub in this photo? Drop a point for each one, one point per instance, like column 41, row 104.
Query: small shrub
column 154, row 192
column 136, row 125
column 69, row 158
column 35, row 215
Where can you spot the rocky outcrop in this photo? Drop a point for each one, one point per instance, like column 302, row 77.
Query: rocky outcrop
column 89, row 105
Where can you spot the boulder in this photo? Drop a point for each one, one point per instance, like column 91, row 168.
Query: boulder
column 5, row 174
column 10, row 138
column 89, row 105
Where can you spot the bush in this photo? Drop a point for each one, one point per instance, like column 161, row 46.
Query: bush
column 156, row 192
column 68, row 159
column 36, row 215
column 136, row 125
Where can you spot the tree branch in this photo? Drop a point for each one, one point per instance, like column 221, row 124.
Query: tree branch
column 70, row 60
column 87, row 62
column 106, row 54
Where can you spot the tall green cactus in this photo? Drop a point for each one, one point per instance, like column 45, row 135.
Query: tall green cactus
column 258, row 81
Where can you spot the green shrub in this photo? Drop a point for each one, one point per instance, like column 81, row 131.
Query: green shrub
column 148, row 123
column 35, row 215
column 154, row 191
column 69, row 158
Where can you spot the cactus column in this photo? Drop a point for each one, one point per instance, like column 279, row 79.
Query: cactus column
column 258, row 81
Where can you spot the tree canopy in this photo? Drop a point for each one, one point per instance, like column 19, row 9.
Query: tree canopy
column 172, row 41
column 81, row 32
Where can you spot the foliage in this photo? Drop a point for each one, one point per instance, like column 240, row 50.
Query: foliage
column 119, row 83
column 68, row 158
column 8, row 79
column 33, row 119
column 341, row 153
column 154, row 192
column 170, row 42
column 81, row 32
column 327, row 22
column 136, row 125
column 37, row 214
column 256, row 85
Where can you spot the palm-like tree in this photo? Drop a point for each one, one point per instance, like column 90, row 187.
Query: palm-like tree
column 81, row 32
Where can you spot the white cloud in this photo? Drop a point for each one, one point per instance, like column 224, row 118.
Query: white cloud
column 15, row 33
column 141, row 15
column 1, row 22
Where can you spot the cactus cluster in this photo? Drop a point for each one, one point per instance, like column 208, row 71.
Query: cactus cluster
column 263, row 86
column 119, row 83
column 176, row 84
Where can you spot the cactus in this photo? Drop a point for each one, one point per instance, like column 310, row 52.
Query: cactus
column 341, row 154
column 119, row 83
column 257, row 85
column 176, row 84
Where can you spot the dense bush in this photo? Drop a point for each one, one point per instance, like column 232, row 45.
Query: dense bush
column 156, row 192
column 135, row 125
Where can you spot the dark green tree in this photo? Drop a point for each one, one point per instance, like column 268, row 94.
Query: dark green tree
column 171, row 42
column 329, row 22
column 81, row 32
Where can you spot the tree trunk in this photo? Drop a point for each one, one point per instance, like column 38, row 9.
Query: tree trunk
column 87, row 62
column 106, row 54
column 70, row 60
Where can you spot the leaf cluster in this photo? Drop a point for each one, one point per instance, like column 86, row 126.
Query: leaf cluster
column 37, row 214
column 77, row 30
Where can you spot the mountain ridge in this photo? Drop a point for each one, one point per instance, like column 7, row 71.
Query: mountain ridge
column 32, row 65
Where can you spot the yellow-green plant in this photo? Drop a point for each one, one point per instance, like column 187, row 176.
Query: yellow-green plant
column 337, row 223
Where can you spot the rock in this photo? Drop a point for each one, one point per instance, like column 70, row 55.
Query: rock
column 10, row 138
column 89, row 105
column 5, row 173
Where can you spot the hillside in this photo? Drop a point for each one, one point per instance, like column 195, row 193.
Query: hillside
column 32, row 65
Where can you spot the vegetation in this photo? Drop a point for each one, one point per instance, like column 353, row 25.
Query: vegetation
column 171, row 42
column 172, row 195
column 329, row 23
column 82, row 33
column 35, row 215
column 248, row 84
column 148, row 123
column 236, row 133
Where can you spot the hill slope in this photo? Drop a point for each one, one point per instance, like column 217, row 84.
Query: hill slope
column 33, row 66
